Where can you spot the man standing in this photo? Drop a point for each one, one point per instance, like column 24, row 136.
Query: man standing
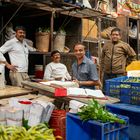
column 114, row 56
column 56, row 70
column 18, row 51
column 84, row 70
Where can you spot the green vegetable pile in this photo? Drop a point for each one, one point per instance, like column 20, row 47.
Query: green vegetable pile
column 129, row 80
column 125, row 86
column 38, row 132
column 95, row 111
column 133, row 80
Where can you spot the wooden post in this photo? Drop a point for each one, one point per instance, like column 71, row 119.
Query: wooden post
column 99, row 49
column 1, row 26
column 138, row 38
column 52, row 24
column 99, row 38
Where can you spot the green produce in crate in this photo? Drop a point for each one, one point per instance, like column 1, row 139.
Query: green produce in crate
column 129, row 80
column 125, row 86
column 133, row 80
column 95, row 111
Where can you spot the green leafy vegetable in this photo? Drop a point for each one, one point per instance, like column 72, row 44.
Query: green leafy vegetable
column 95, row 111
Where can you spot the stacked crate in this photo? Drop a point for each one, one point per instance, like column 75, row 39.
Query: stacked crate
column 124, row 89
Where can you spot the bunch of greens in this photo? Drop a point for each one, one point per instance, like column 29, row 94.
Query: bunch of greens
column 62, row 31
column 95, row 111
column 43, row 29
column 133, row 80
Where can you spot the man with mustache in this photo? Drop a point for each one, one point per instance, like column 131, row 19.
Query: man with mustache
column 56, row 70
column 18, row 51
column 115, row 54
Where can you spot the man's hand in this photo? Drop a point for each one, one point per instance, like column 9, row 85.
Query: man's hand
column 78, row 82
column 37, row 50
column 11, row 67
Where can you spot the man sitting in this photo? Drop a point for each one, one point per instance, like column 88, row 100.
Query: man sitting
column 56, row 70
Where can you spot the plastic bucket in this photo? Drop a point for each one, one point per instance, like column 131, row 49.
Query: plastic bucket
column 58, row 123
column 39, row 71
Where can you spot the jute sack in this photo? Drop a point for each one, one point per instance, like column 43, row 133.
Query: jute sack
column 107, row 32
column 42, row 41
column 59, row 42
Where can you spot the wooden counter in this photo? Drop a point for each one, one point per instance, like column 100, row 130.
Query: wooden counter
column 49, row 91
column 11, row 91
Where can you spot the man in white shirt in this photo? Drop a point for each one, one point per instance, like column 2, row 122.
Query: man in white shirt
column 18, row 51
column 56, row 70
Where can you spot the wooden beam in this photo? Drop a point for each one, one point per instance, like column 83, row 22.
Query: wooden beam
column 52, row 27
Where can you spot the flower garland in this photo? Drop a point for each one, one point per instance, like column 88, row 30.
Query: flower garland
column 133, row 9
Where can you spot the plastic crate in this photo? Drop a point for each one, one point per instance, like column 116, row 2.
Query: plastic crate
column 127, row 92
column 133, row 112
column 130, row 95
column 113, row 86
column 76, row 129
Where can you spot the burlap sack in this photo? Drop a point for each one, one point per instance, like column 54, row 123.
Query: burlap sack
column 42, row 41
column 106, row 32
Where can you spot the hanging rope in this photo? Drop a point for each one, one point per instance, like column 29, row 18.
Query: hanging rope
column 22, row 3
column 65, row 22
column 89, row 31
column 62, row 26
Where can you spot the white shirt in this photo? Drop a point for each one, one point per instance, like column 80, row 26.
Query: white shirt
column 18, row 53
column 56, row 70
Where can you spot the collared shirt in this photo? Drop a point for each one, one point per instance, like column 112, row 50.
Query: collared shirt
column 56, row 70
column 18, row 53
column 86, row 71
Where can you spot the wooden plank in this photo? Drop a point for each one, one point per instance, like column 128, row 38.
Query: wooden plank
column 122, row 23
column 49, row 91
column 38, row 86
column 11, row 91
column 89, row 29
column 5, row 101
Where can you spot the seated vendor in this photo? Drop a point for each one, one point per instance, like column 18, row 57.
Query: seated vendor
column 84, row 70
column 56, row 70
